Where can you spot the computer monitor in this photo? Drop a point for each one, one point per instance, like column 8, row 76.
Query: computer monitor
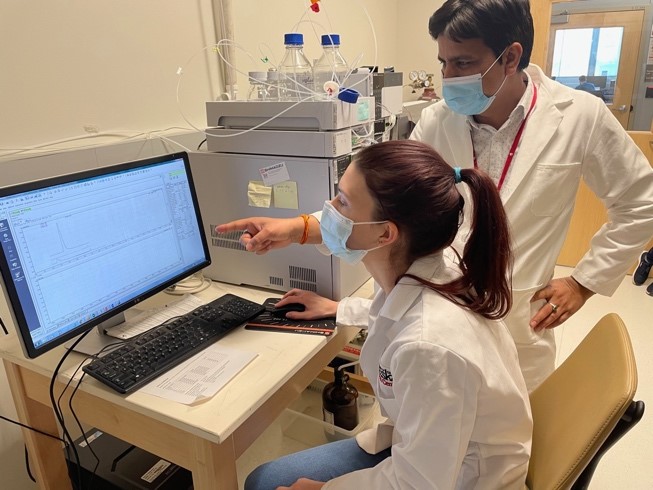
column 79, row 249
column 599, row 81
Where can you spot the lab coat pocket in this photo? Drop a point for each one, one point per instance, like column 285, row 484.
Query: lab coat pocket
column 554, row 187
column 521, row 313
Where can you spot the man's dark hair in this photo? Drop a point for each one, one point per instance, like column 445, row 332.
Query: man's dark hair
column 498, row 23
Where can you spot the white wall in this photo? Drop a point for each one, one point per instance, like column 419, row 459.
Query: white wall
column 418, row 50
column 71, row 63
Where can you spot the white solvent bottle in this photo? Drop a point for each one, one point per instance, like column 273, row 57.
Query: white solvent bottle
column 295, row 71
column 273, row 84
column 258, row 85
column 331, row 67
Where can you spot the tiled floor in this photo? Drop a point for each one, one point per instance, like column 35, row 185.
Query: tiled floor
column 627, row 465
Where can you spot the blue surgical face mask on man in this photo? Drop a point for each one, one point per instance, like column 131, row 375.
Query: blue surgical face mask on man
column 336, row 230
column 464, row 95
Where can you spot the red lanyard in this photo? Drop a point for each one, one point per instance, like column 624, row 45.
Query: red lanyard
column 515, row 143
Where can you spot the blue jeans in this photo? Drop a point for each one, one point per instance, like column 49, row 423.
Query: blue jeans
column 321, row 463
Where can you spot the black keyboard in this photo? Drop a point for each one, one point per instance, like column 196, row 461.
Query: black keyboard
column 143, row 358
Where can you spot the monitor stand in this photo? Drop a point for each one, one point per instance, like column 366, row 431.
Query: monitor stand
column 96, row 339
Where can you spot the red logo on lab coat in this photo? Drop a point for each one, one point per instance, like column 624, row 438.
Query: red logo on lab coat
column 385, row 376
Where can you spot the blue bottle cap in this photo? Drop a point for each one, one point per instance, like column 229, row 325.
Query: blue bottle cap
column 293, row 38
column 331, row 40
column 348, row 95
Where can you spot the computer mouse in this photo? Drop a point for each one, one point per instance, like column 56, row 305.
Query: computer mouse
column 282, row 310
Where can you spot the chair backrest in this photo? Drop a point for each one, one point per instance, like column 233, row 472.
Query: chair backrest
column 577, row 407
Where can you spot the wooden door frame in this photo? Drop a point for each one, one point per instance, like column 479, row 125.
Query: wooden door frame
column 541, row 11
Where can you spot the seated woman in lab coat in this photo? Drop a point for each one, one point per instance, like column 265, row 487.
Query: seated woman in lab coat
column 441, row 363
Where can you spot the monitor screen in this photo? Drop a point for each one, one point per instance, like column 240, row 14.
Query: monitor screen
column 81, row 248
column 598, row 81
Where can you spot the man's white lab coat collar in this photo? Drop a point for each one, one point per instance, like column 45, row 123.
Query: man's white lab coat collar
column 404, row 294
column 547, row 86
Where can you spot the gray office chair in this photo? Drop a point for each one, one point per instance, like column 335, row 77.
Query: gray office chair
column 583, row 408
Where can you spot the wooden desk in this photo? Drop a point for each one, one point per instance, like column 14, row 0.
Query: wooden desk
column 205, row 439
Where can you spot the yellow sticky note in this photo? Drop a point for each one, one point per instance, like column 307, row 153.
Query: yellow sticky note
column 259, row 195
column 285, row 195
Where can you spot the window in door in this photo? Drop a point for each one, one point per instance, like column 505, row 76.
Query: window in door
column 588, row 59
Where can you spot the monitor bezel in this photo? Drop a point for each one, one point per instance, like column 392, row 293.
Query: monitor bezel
column 11, row 294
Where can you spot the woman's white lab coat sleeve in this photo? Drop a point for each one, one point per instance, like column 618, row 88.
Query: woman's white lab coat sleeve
column 354, row 312
column 434, row 424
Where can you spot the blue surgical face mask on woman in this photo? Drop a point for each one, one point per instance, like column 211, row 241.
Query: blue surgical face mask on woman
column 465, row 96
column 336, row 230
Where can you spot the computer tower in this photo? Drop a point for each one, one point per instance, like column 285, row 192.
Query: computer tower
column 122, row 466
column 230, row 186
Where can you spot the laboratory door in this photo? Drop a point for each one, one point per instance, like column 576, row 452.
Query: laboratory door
column 603, row 48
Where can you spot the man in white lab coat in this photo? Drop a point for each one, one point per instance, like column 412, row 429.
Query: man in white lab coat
column 536, row 138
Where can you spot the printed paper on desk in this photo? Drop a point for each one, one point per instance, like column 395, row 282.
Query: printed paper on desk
column 274, row 174
column 201, row 376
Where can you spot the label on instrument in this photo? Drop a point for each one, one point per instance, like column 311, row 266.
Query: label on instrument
column 154, row 472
